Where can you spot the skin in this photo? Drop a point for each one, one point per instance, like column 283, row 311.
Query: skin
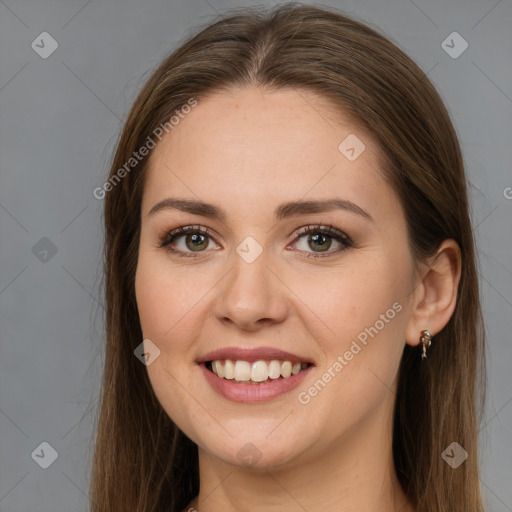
column 247, row 151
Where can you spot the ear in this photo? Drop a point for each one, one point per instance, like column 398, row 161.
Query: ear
column 435, row 294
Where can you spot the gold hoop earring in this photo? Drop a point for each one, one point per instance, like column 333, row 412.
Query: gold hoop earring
column 426, row 340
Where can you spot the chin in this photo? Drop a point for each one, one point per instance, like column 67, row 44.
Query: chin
column 255, row 457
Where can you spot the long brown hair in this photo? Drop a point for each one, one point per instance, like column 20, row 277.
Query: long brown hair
column 142, row 461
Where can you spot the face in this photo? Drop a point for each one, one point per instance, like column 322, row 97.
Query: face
column 326, row 289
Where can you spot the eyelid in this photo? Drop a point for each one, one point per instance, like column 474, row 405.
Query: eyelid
column 321, row 228
column 168, row 238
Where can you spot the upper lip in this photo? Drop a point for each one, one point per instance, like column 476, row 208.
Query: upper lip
column 252, row 354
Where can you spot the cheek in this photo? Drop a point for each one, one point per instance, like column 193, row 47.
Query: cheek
column 166, row 312
column 363, row 314
column 345, row 301
column 163, row 298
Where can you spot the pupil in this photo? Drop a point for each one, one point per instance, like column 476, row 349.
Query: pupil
column 318, row 241
column 196, row 238
column 317, row 238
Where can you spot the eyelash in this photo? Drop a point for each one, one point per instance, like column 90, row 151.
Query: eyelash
column 342, row 238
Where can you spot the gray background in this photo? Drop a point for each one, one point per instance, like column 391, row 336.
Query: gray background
column 59, row 119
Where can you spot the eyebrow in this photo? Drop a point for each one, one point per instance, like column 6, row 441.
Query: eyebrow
column 285, row 210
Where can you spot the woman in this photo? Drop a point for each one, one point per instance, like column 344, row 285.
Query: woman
column 293, row 320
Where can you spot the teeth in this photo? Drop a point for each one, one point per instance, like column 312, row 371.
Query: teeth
column 274, row 369
column 258, row 371
column 229, row 369
column 242, row 371
column 286, row 369
column 296, row 368
column 218, row 369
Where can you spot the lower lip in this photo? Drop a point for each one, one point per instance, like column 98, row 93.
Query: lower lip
column 251, row 393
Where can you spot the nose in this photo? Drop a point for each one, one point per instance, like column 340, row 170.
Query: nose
column 251, row 296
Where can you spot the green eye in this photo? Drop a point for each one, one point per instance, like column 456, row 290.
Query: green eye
column 197, row 240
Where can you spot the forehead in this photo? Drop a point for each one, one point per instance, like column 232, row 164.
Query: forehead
column 243, row 146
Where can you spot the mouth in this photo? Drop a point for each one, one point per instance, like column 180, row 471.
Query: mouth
column 257, row 372
column 254, row 375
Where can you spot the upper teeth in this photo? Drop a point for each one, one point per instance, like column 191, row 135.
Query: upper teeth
column 259, row 371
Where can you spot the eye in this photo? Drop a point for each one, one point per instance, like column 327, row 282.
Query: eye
column 196, row 240
column 321, row 240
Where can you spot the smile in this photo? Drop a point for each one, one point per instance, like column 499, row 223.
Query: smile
column 256, row 372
